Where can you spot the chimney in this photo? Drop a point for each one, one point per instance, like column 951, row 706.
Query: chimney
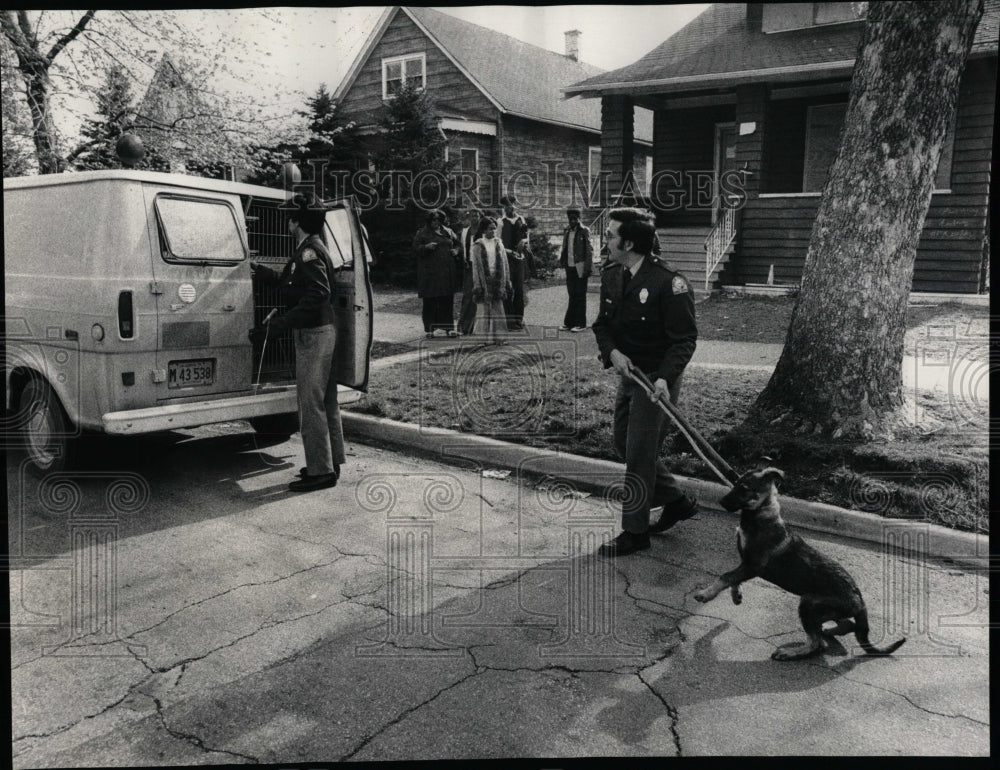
column 573, row 44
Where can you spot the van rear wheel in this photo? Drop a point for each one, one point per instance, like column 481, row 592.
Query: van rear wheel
column 276, row 426
column 48, row 434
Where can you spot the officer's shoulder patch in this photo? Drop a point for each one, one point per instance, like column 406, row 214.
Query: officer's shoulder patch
column 308, row 255
column 679, row 285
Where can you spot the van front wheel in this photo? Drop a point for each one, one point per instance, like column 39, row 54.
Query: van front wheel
column 276, row 426
column 47, row 432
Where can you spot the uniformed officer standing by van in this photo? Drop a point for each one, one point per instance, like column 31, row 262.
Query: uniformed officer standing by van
column 306, row 285
column 646, row 320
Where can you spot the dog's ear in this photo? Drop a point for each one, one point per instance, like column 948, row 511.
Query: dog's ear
column 774, row 475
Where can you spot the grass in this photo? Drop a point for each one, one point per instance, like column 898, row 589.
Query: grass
column 542, row 394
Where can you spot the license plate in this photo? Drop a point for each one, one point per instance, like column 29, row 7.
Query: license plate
column 191, row 374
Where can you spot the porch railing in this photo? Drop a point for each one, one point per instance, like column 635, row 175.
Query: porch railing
column 597, row 230
column 719, row 240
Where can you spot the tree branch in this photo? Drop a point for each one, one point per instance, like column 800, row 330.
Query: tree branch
column 70, row 36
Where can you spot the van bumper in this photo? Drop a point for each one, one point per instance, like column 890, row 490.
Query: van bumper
column 194, row 413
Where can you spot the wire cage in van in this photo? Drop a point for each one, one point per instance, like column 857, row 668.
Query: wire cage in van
column 271, row 245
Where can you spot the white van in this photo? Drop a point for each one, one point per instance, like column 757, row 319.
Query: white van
column 128, row 301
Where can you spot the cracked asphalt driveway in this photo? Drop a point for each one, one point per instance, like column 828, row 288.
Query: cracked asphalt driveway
column 184, row 608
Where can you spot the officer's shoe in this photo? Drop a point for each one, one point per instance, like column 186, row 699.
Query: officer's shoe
column 310, row 483
column 677, row 510
column 303, row 472
column 624, row 544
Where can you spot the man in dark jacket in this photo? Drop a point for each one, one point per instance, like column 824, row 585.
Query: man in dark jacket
column 646, row 320
column 513, row 232
column 305, row 285
column 577, row 259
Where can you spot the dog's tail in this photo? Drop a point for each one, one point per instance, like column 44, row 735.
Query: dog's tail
column 861, row 633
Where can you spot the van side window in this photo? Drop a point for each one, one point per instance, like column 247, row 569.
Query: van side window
column 198, row 230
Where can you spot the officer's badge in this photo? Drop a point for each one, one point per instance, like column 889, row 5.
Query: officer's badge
column 308, row 255
column 679, row 285
column 643, row 296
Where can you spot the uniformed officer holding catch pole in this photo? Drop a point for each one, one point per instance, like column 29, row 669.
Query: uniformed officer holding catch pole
column 646, row 320
column 306, row 285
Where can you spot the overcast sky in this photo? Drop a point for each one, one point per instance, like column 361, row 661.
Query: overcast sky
column 291, row 51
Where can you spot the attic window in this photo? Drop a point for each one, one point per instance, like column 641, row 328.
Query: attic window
column 400, row 70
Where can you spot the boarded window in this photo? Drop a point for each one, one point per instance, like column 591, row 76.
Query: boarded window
column 470, row 160
column 823, row 124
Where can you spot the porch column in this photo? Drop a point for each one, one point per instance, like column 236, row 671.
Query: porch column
column 617, row 131
column 751, row 115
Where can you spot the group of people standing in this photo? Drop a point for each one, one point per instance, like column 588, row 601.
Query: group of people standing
column 489, row 262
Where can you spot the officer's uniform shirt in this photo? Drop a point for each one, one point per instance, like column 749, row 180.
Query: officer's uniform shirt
column 652, row 321
column 305, row 287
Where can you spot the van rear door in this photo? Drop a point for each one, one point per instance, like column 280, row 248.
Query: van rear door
column 201, row 282
column 352, row 294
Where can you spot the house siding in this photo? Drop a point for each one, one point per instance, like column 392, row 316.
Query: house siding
column 529, row 145
column 450, row 88
column 776, row 231
column 684, row 145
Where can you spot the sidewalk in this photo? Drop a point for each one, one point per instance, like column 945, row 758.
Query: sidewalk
column 940, row 368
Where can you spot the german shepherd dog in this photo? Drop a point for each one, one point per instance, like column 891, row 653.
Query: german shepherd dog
column 770, row 551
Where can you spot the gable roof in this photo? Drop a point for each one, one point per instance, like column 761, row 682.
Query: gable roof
column 718, row 48
column 518, row 78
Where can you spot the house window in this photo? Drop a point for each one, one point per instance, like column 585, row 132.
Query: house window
column 593, row 166
column 470, row 159
column 648, row 185
column 400, row 70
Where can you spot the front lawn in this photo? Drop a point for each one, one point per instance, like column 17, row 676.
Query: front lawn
column 540, row 394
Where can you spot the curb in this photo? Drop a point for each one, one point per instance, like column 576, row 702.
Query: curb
column 919, row 539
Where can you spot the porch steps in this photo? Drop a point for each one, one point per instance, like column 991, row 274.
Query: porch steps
column 683, row 248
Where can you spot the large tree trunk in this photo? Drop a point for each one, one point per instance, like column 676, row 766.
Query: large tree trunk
column 841, row 368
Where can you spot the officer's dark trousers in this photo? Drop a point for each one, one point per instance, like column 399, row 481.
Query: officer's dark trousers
column 576, row 311
column 640, row 426
column 437, row 313
column 467, row 315
column 514, row 305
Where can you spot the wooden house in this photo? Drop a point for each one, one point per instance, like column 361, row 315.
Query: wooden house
column 498, row 102
column 761, row 89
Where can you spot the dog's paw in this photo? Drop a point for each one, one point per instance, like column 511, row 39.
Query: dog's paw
column 703, row 596
column 796, row 653
column 737, row 597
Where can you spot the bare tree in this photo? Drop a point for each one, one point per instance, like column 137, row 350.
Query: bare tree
column 59, row 58
column 34, row 63
column 840, row 372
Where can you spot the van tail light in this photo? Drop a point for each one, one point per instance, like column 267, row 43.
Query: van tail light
column 126, row 316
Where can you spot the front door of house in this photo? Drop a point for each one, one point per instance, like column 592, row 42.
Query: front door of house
column 725, row 161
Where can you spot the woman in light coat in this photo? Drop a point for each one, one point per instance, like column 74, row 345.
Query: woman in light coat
column 491, row 282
